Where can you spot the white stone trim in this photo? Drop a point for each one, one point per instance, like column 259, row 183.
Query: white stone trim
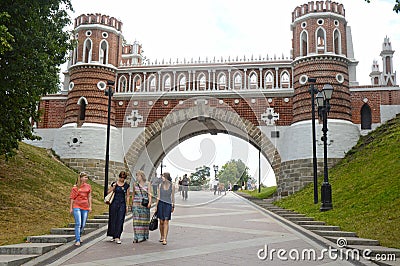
column 49, row 98
column 375, row 89
column 97, row 27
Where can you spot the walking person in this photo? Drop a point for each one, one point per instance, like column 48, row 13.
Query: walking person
column 81, row 204
column 185, row 187
column 180, row 186
column 165, row 205
column 141, row 214
column 118, row 207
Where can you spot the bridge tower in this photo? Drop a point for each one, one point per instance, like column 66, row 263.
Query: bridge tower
column 94, row 61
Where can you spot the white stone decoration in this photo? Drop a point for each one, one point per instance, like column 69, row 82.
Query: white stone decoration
column 165, row 102
column 74, row 142
column 236, row 101
column 101, row 85
column 286, row 100
column 339, row 78
column 181, row 102
column 71, row 85
column 270, row 100
column 221, row 101
column 120, row 103
column 105, row 35
column 88, row 33
column 253, row 100
column 365, row 100
column 134, row 118
column 150, row 102
column 269, row 117
column 135, row 103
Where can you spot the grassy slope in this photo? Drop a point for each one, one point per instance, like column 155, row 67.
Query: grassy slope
column 365, row 188
column 34, row 194
column 265, row 193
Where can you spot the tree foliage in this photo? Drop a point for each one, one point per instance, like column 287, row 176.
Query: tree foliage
column 33, row 45
column 234, row 172
column 200, row 177
column 396, row 7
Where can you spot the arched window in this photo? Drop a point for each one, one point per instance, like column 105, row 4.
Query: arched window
column 182, row 82
column 285, row 80
column 304, row 43
column 82, row 108
column 221, row 81
column 152, row 83
column 237, row 81
column 388, row 65
column 202, row 82
column 167, row 83
column 366, row 117
column 269, row 81
column 103, row 52
column 320, row 40
column 87, row 51
column 337, row 42
column 137, row 83
column 253, row 81
column 122, row 84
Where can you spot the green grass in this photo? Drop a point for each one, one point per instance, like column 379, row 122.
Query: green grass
column 365, row 188
column 34, row 194
column 265, row 193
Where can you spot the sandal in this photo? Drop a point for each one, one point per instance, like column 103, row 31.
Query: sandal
column 161, row 240
column 164, row 242
column 77, row 244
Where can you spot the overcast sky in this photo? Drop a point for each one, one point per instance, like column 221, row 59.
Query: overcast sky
column 181, row 28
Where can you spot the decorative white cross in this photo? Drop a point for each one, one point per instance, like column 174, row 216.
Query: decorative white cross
column 269, row 117
column 134, row 118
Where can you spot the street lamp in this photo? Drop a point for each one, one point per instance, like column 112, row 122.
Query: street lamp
column 108, row 93
column 215, row 170
column 313, row 90
column 322, row 100
column 161, row 166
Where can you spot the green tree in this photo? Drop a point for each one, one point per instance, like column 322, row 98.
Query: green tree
column 33, row 45
column 396, row 7
column 200, row 177
column 234, row 172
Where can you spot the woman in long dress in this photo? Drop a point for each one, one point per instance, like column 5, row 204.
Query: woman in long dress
column 165, row 205
column 118, row 207
column 141, row 214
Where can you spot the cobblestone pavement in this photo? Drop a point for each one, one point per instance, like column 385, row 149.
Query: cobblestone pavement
column 206, row 229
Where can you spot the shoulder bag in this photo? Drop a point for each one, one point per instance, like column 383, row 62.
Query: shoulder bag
column 153, row 225
column 145, row 201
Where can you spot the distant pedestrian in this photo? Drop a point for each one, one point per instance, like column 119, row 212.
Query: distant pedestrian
column 81, row 204
column 118, row 207
column 185, row 187
column 165, row 205
column 215, row 184
column 141, row 214
column 180, row 186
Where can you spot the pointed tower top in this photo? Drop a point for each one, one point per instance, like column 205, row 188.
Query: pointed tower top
column 375, row 66
column 387, row 45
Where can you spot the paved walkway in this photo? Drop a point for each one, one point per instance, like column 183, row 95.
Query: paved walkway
column 205, row 230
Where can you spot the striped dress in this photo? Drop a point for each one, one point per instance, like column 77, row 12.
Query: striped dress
column 141, row 214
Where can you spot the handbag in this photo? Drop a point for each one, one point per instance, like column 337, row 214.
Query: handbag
column 153, row 225
column 145, row 201
column 109, row 198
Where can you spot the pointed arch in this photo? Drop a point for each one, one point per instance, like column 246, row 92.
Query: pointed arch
column 167, row 82
column 237, row 81
column 82, row 102
column 137, row 83
column 304, row 43
column 87, row 51
column 337, row 42
column 221, row 81
column 182, row 82
column 320, row 40
column 366, row 117
column 253, row 78
column 202, row 82
column 269, row 80
column 285, row 79
column 103, row 52
column 122, row 84
column 152, row 83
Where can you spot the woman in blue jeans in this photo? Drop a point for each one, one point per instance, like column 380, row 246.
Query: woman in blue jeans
column 81, row 204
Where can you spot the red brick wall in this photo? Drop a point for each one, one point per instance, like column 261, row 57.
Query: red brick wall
column 52, row 113
column 374, row 102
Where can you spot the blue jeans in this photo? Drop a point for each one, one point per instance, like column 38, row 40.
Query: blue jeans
column 80, row 217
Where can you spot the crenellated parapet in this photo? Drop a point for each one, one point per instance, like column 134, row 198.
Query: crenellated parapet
column 313, row 7
column 97, row 18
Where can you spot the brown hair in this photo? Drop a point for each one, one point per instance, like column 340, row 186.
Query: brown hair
column 123, row 174
column 78, row 179
column 167, row 176
column 141, row 173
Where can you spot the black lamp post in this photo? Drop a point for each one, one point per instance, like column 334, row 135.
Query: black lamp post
column 322, row 99
column 313, row 90
column 108, row 93
column 215, row 170
column 161, row 166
